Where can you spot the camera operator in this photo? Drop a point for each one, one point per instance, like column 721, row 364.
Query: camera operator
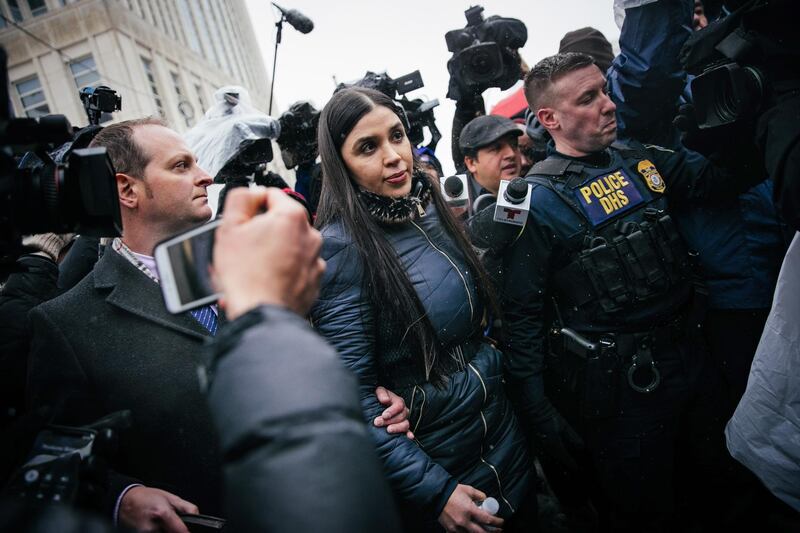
column 762, row 432
column 740, row 242
column 298, row 145
column 287, row 410
column 485, row 54
column 232, row 142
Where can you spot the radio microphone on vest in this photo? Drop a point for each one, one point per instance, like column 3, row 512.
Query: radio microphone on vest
column 513, row 202
column 455, row 190
column 298, row 21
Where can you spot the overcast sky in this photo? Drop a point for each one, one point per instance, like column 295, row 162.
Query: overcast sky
column 353, row 36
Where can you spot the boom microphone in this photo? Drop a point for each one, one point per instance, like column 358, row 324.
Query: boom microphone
column 298, row 21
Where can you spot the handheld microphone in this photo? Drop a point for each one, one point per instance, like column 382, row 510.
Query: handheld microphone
column 455, row 190
column 298, row 21
column 513, row 202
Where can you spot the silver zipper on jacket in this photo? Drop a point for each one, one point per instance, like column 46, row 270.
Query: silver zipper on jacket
column 421, row 407
column 485, row 433
column 463, row 280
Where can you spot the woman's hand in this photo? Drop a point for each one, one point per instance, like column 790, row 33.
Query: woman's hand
column 395, row 417
column 461, row 513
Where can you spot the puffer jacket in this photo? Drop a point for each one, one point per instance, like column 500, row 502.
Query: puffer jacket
column 465, row 431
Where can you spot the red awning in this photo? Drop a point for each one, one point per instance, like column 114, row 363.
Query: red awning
column 512, row 106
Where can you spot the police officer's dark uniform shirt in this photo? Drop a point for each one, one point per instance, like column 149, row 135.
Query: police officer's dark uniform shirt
column 604, row 198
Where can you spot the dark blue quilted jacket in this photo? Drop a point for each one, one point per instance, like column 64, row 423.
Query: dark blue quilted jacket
column 466, row 432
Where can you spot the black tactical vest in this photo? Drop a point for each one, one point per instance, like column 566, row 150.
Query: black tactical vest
column 631, row 254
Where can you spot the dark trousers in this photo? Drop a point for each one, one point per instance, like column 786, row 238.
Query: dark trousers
column 659, row 447
column 733, row 336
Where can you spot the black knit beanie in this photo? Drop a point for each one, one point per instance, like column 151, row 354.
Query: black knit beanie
column 589, row 41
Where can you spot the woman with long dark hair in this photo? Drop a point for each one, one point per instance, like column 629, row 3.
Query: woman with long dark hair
column 403, row 303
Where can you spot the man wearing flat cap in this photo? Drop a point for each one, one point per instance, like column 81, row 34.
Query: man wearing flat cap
column 491, row 152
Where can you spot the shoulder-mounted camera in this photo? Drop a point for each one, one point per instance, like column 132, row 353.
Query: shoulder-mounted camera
column 485, row 53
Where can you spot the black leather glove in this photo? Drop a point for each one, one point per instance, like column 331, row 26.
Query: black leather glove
column 553, row 435
column 721, row 141
column 705, row 141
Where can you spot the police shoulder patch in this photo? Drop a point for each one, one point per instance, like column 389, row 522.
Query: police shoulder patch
column 652, row 178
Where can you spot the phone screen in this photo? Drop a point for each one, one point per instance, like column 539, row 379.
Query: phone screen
column 184, row 265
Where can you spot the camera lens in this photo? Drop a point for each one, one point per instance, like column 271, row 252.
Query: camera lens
column 482, row 63
column 726, row 105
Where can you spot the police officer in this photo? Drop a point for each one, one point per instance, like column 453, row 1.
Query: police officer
column 600, row 296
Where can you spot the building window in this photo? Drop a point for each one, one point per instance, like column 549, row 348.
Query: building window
column 176, row 83
column 38, row 7
column 189, row 28
column 16, row 12
column 151, row 14
column 184, row 106
column 218, row 40
column 198, row 88
column 167, row 14
column 151, row 79
column 32, row 97
column 84, row 72
column 136, row 7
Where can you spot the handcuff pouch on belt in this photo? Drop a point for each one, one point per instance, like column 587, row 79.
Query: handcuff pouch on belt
column 636, row 352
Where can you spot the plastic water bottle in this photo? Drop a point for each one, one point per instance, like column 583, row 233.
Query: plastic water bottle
column 490, row 505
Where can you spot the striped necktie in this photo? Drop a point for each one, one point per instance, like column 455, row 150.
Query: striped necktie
column 207, row 318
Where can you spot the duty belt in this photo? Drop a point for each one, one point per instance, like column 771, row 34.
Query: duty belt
column 634, row 353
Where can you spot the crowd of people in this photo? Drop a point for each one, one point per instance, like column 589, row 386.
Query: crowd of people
column 404, row 362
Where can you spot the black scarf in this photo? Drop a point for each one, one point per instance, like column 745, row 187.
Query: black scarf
column 398, row 210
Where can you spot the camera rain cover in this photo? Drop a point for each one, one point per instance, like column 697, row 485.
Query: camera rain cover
column 485, row 54
column 228, row 129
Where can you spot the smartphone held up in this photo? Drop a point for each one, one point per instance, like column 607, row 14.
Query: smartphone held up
column 184, row 267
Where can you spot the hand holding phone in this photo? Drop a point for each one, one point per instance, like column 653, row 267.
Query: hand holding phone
column 266, row 258
column 184, row 266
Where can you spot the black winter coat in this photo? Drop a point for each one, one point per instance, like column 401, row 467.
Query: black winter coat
column 24, row 290
column 465, row 432
column 109, row 344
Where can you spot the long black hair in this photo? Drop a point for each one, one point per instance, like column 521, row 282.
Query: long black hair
column 386, row 280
